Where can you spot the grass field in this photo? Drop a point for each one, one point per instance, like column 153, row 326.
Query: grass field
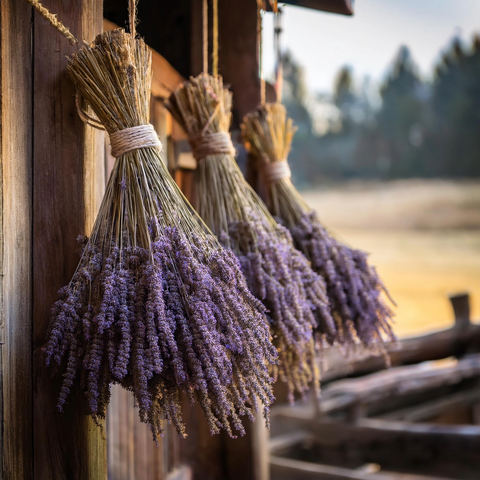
column 423, row 237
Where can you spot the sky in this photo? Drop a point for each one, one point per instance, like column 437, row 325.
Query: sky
column 322, row 43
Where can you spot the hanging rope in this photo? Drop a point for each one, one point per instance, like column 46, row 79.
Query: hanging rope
column 205, row 35
column 53, row 20
column 215, row 39
column 132, row 16
column 84, row 116
column 260, row 8
column 278, row 52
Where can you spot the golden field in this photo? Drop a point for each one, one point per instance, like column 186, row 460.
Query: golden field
column 423, row 237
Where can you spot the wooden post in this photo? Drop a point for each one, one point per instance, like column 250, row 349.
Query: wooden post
column 68, row 184
column 218, row 457
column 356, row 412
column 16, row 240
column 461, row 309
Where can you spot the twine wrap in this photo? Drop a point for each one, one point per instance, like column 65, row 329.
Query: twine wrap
column 275, row 171
column 205, row 144
column 53, row 20
column 129, row 139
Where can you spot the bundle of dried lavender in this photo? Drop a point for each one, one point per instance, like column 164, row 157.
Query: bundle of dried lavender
column 156, row 304
column 276, row 272
column 354, row 288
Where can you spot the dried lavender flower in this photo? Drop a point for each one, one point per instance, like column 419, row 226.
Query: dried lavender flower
column 358, row 298
column 156, row 304
column 277, row 274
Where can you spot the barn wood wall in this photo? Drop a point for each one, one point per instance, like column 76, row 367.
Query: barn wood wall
column 52, row 178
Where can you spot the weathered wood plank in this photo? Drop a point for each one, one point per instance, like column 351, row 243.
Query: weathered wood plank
column 68, row 172
column 16, row 230
column 284, row 442
column 454, row 341
column 289, row 469
column 132, row 453
column 203, row 453
column 382, row 386
column 431, row 409
column 449, row 450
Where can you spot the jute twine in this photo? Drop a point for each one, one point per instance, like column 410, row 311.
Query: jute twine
column 205, row 144
column 126, row 140
column 274, row 171
column 54, row 21
column 129, row 139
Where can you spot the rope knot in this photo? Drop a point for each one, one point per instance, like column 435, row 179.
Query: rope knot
column 275, row 171
column 129, row 139
column 205, row 144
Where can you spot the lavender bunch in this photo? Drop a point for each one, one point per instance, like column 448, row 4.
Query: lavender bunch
column 277, row 274
column 357, row 295
column 156, row 304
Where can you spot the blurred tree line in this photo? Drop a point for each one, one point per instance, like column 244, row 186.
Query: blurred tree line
column 420, row 129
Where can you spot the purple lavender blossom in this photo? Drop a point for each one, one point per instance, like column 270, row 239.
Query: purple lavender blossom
column 156, row 304
column 161, row 325
column 354, row 287
column 295, row 298
column 277, row 274
column 357, row 295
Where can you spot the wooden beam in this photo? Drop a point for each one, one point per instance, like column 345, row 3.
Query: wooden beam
column 423, row 444
column 395, row 387
column 430, row 449
column 434, row 346
column 16, row 239
column 282, row 443
column 68, row 172
column 431, row 409
column 291, row 469
column 343, row 7
column 238, row 62
column 400, row 381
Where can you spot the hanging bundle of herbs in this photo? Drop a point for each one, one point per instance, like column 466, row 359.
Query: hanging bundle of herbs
column 276, row 272
column 357, row 296
column 156, row 304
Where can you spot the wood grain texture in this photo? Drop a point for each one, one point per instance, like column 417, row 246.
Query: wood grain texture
column 290, row 469
column 68, row 182
column 238, row 63
column 203, row 453
column 16, row 226
column 132, row 453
